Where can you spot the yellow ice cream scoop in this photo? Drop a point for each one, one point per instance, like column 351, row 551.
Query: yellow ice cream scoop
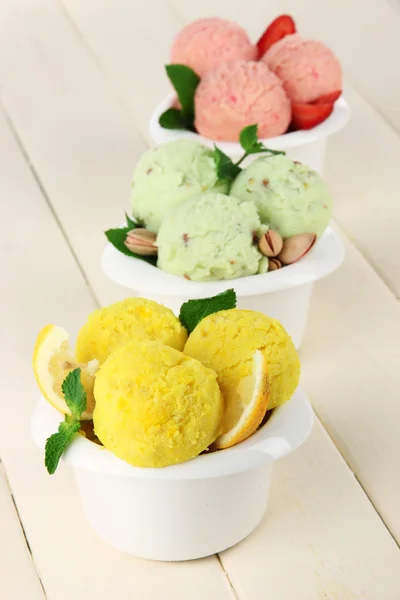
column 155, row 406
column 111, row 327
column 227, row 341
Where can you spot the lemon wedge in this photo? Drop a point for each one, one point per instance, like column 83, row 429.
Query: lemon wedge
column 53, row 359
column 245, row 407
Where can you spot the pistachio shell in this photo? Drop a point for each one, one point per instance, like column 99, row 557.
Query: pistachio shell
column 274, row 264
column 142, row 242
column 270, row 243
column 296, row 247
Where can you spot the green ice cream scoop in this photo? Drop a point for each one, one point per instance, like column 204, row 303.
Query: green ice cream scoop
column 291, row 198
column 168, row 175
column 210, row 237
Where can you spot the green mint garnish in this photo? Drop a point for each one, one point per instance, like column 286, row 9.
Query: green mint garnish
column 57, row 444
column 132, row 224
column 75, row 398
column 74, row 393
column 227, row 170
column 194, row 311
column 249, row 141
column 185, row 82
column 173, row 119
column 117, row 238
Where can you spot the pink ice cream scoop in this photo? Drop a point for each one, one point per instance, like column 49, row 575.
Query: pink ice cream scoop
column 308, row 69
column 238, row 94
column 207, row 43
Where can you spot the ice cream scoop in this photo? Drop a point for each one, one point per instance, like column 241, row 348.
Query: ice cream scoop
column 111, row 327
column 206, row 43
column 307, row 68
column 226, row 342
column 291, row 198
column 154, row 406
column 168, row 175
column 238, row 94
column 210, row 237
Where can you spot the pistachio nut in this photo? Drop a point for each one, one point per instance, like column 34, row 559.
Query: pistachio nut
column 294, row 248
column 274, row 264
column 270, row 243
column 142, row 242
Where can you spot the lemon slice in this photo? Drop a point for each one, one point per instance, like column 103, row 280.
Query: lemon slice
column 246, row 408
column 53, row 359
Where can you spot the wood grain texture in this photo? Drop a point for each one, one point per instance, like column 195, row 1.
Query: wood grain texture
column 79, row 140
column 18, row 577
column 363, row 174
column 132, row 46
column 314, row 543
column 351, row 358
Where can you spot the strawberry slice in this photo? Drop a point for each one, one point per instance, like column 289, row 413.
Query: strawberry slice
column 307, row 116
column 278, row 29
column 328, row 98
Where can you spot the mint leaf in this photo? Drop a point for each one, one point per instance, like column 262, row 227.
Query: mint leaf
column 249, row 141
column 250, row 144
column 173, row 119
column 74, row 393
column 57, row 443
column 185, row 82
column 194, row 311
column 117, row 238
column 226, row 169
column 131, row 224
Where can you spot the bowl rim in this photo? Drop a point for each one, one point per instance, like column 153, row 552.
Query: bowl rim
column 324, row 258
column 336, row 121
column 287, row 428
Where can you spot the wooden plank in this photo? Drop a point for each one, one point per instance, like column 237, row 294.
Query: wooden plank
column 364, row 177
column 74, row 129
column 351, row 359
column 18, row 577
column 321, row 538
column 132, row 46
column 41, row 283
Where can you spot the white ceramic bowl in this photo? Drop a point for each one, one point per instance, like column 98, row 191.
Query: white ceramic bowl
column 283, row 294
column 307, row 147
column 184, row 511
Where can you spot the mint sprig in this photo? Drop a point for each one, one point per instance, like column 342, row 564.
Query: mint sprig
column 75, row 398
column 58, row 443
column 194, row 311
column 74, row 393
column 185, row 82
column 173, row 119
column 117, row 238
column 249, row 141
column 227, row 170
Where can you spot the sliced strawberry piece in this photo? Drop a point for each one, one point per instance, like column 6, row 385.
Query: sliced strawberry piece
column 307, row 116
column 278, row 29
column 328, row 98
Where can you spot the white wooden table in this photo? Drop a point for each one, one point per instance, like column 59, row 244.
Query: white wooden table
column 78, row 80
